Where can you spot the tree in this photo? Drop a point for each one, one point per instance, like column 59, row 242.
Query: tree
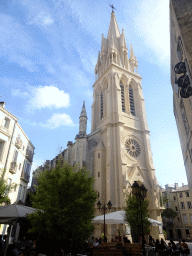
column 169, row 213
column 132, row 216
column 4, row 189
column 65, row 198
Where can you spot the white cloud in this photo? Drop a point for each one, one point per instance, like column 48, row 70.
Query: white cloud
column 48, row 97
column 58, row 120
column 23, row 62
column 152, row 24
column 89, row 94
column 17, row 92
column 42, row 19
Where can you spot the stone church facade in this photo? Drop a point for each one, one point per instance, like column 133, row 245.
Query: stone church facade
column 117, row 152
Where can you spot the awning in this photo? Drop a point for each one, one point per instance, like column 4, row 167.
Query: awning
column 118, row 218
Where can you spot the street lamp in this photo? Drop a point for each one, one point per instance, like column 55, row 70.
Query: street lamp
column 104, row 208
column 140, row 192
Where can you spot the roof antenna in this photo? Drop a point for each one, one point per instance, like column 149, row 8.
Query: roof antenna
column 112, row 7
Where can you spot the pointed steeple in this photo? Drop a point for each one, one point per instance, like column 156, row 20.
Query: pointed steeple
column 113, row 27
column 122, row 40
column 133, row 61
column 132, row 55
column 83, row 111
column 82, row 123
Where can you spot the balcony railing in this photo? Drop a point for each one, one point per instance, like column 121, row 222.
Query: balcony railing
column 29, row 155
column 25, row 176
column 19, row 143
column 13, row 167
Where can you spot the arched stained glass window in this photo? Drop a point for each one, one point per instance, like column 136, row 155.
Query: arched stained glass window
column 101, row 105
column 122, row 97
column 131, row 101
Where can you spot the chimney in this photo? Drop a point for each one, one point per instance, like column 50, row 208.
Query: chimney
column 182, row 184
column 2, row 104
column 176, row 185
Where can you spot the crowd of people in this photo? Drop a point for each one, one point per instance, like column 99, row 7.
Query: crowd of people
column 161, row 246
column 152, row 247
column 97, row 242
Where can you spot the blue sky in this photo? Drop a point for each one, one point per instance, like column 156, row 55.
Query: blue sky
column 48, row 53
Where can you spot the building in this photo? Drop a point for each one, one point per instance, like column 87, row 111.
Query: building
column 16, row 154
column 180, row 201
column 117, row 152
column 181, row 51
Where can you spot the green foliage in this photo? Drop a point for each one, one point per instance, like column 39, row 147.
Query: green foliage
column 132, row 214
column 169, row 213
column 4, row 189
column 65, row 199
column 163, row 200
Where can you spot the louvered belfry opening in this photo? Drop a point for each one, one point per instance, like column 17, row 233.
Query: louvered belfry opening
column 131, row 101
column 122, row 97
column 101, row 105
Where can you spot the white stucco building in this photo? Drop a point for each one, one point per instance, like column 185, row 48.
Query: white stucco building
column 16, row 154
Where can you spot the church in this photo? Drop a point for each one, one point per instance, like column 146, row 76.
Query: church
column 117, row 152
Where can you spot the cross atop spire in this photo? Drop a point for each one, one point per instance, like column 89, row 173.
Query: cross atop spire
column 112, row 7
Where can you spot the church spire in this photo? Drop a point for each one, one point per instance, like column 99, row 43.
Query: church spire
column 113, row 27
column 114, row 51
column 82, row 123
column 83, row 111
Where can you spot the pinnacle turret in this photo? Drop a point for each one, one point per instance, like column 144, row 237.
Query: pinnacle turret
column 83, row 111
column 133, row 61
column 82, row 123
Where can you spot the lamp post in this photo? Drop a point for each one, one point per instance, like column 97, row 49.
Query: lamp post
column 140, row 192
column 104, row 208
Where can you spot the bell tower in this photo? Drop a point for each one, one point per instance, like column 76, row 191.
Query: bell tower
column 119, row 126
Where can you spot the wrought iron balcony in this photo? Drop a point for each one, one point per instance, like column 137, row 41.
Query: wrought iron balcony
column 29, row 155
column 19, row 143
column 13, row 167
column 25, row 176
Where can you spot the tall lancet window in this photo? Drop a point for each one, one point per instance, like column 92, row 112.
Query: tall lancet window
column 131, row 101
column 122, row 97
column 101, row 105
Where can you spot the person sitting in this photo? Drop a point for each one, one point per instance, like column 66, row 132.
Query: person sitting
column 163, row 243
column 159, row 247
column 119, row 244
column 96, row 243
column 179, row 246
column 125, row 239
column 151, row 243
column 173, row 245
column 185, row 247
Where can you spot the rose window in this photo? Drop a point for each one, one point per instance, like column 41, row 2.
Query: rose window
column 132, row 147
